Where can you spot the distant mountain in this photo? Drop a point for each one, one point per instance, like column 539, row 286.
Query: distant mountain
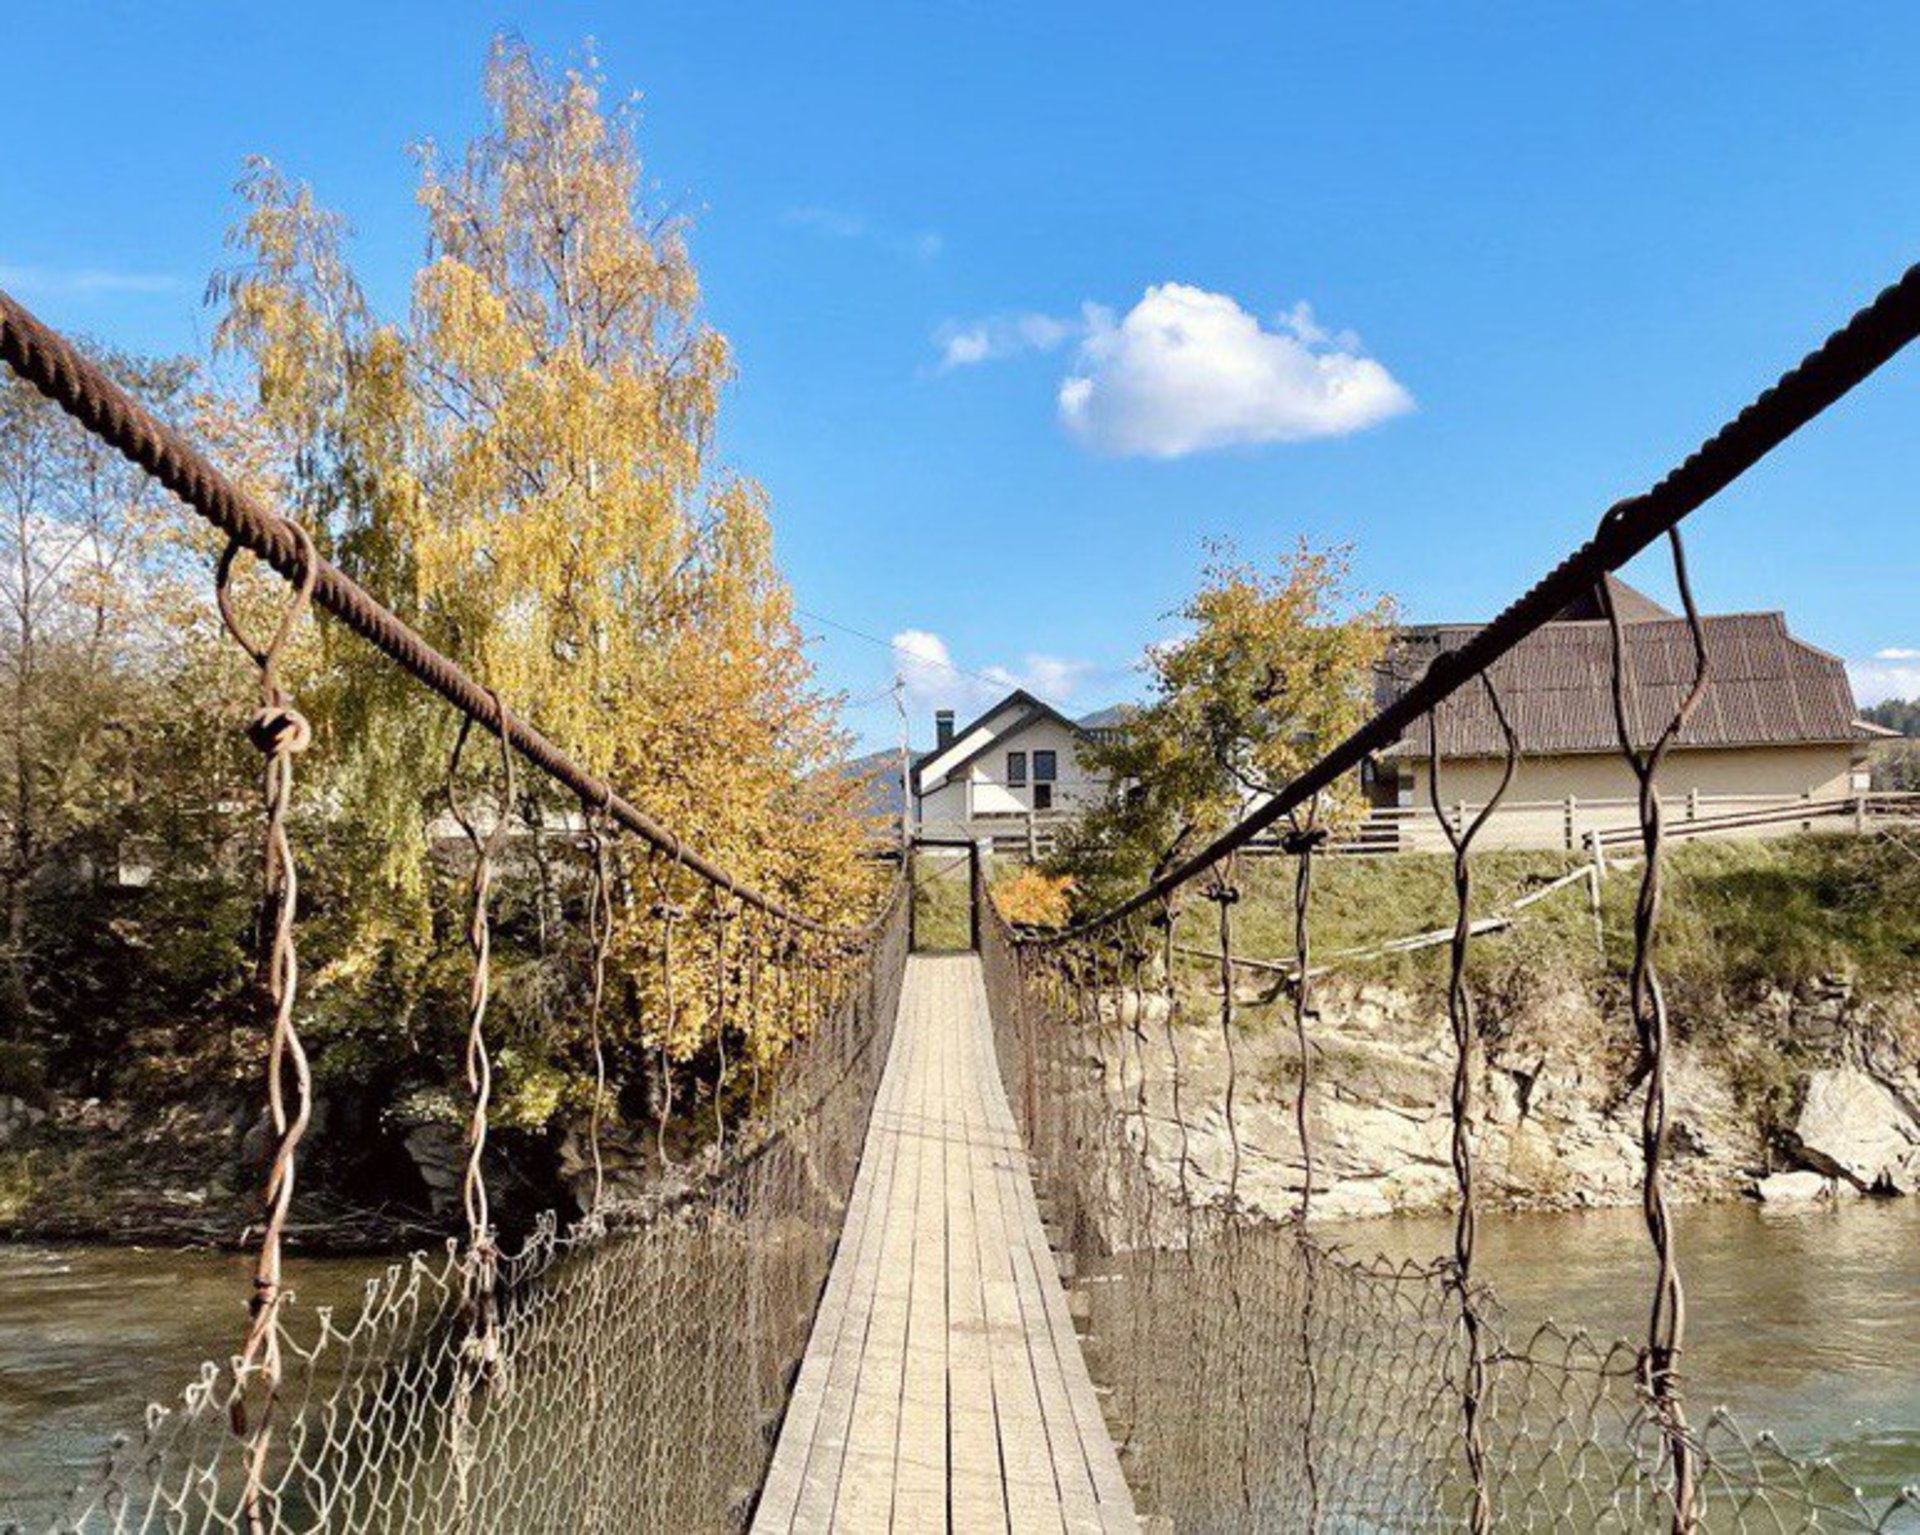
column 879, row 774
column 1107, row 718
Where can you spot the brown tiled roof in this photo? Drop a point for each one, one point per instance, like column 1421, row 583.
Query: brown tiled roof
column 1764, row 688
column 1633, row 605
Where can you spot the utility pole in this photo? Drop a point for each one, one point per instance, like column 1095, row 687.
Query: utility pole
column 906, row 771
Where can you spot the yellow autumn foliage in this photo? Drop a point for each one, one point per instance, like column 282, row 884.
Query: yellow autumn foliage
column 1031, row 898
column 523, row 465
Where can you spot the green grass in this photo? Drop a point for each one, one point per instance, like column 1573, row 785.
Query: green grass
column 942, row 900
column 1739, row 917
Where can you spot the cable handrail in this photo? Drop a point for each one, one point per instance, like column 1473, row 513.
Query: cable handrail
column 1851, row 354
column 42, row 357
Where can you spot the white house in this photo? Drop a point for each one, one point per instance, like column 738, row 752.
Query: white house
column 1011, row 776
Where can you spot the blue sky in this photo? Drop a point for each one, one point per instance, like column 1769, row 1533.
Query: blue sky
column 1016, row 290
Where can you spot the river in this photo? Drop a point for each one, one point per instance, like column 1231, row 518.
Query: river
column 88, row 1335
column 1805, row 1319
column 1802, row 1319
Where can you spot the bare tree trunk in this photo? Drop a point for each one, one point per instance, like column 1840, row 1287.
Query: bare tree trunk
column 25, row 850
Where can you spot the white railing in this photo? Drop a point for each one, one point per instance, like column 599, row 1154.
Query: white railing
column 1573, row 823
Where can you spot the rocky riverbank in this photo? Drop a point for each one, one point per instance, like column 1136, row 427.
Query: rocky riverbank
column 1814, row 1094
column 191, row 1173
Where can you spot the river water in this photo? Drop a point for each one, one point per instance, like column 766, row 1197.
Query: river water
column 1802, row 1319
column 88, row 1335
column 1805, row 1319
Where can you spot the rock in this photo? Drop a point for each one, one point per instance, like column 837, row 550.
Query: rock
column 1793, row 1188
column 1130, row 1007
column 16, row 1116
column 440, row 1157
column 1852, row 1127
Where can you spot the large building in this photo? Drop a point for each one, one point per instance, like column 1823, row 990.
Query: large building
column 1776, row 725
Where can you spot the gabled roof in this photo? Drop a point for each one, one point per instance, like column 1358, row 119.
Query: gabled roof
column 1764, row 687
column 1633, row 605
column 939, row 766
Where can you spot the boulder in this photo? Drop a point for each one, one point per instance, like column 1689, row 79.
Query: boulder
column 440, row 1157
column 1851, row 1126
column 1793, row 1188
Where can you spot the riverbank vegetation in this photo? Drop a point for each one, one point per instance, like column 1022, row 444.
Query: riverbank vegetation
column 1739, row 916
column 1273, row 666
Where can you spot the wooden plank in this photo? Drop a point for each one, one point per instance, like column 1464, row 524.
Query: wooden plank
column 807, row 1461
column 1064, row 1370
column 1031, row 1487
column 863, row 1500
column 920, row 1477
column 977, row 1496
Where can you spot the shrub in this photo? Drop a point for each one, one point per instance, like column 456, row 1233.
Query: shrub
column 1033, row 899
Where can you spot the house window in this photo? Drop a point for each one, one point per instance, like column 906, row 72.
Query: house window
column 1043, row 767
column 1042, row 792
column 1017, row 768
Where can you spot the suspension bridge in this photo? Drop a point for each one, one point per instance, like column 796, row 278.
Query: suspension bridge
column 853, row 1317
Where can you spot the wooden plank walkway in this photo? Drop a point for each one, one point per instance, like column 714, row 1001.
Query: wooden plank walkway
column 943, row 1387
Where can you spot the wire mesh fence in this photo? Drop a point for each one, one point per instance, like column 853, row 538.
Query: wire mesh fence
column 628, row 1373
column 1262, row 1379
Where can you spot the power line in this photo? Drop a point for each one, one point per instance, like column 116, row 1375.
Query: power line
column 898, row 650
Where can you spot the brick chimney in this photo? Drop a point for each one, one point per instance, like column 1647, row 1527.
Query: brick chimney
column 942, row 729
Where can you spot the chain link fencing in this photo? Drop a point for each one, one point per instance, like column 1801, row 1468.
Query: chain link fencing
column 627, row 1373
column 1262, row 1379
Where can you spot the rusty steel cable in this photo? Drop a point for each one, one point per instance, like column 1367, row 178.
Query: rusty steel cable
column 600, row 922
column 280, row 733
column 481, row 1355
column 722, row 920
column 668, row 914
column 1225, row 895
column 487, row 845
column 51, row 364
column 1460, row 1015
column 1304, row 838
column 1167, row 917
column 1667, row 1318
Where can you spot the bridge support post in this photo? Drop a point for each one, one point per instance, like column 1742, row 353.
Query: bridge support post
column 977, row 886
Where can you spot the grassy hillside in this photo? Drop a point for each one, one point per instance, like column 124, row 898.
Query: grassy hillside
column 1739, row 917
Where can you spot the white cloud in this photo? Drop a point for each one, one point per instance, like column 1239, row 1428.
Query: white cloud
column 839, row 224
column 1052, row 678
column 1890, row 673
column 926, row 666
column 81, row 282
column 1001, row 336
column 934, row 681
column 1186, row 370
